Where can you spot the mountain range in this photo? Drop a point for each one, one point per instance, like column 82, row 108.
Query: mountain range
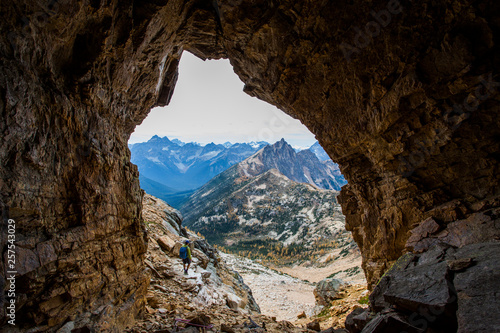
column 319, row 152
column 303, row 166
column 277, row 178
column 173, row 170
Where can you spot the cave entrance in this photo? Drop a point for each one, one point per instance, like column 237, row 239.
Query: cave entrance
column 290, row 234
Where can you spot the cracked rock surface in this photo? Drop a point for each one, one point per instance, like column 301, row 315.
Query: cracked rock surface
column 445, row 289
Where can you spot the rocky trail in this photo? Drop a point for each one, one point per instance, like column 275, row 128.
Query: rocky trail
column 211, row 295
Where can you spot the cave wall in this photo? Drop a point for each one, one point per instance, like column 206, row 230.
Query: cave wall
column 410, row 114
column 76, row 78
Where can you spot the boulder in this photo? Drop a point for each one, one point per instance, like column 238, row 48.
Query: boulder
column 327, row 290
column 233, row 301
column 420, row 233
column 478, row 288
column 422, row 288
column 204, row 260
column 314, row 325
column 166, row 243
column 420, row 285
column 206, row 248
column 442, row 289
column 205, row 276
column 357, row 320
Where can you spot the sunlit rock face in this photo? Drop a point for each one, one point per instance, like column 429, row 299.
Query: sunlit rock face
column 403, row 95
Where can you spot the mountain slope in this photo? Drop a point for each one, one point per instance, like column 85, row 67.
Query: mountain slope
column 154, row 188
column 268, row 205
column 274, row 219
column 319, row 152
column 206, row 197
column 255, row 208
column 303, row 167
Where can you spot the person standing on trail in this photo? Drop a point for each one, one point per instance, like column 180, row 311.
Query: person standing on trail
column 185, row 255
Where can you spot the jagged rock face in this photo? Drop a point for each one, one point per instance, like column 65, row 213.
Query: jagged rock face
column 303, row 166
column 411, row 116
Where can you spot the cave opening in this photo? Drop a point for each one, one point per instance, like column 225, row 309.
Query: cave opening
column 411, row 115
column 209, row 105
column 211, row 125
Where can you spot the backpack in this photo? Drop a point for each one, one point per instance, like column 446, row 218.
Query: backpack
column 183, row 252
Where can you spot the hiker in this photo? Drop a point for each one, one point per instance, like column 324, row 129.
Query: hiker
column 185, row 255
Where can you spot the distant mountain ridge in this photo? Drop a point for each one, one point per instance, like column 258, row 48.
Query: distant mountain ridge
column 269, row 205
column 173, row 170
column 319, row 152
column 186, row 166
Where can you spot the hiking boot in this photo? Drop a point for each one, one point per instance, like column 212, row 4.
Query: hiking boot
column 185, row 272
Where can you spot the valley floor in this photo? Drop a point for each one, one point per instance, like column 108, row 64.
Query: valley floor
column 278, row 295
column 287, row 292
column 346, row 268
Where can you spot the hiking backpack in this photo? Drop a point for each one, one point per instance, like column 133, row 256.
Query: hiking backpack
column 183, row 252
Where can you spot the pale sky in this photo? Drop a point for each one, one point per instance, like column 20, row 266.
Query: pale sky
column 209, row 105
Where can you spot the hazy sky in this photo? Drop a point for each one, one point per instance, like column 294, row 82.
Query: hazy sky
column 209, row 105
